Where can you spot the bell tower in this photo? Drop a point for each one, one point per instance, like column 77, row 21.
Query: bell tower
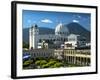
column 33, row 37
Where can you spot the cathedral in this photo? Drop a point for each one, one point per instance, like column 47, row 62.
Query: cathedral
column 60, row 45
column 62, row 38
column 57, row 39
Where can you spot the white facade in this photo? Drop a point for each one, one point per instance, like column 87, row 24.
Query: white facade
column 60, row 38
column 61, row 30
column 33, row 36
column 61, row 34
column 75, row 41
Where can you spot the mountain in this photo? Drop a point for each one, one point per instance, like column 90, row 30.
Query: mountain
column 74, row 28
column 42, row 30
column 26, row 35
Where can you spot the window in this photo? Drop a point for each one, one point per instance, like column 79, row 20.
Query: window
column 69, row 45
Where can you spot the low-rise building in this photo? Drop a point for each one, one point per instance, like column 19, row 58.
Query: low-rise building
column 75, row 41
column 46, row 53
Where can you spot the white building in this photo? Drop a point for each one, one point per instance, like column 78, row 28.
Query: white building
column 60, row 36
column 75, row 41
column 46, row 53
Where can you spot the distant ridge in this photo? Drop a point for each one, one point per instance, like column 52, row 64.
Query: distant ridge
column 42, row 30
column 74, row 28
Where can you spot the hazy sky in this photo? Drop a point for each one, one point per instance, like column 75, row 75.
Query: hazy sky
column 51, row 19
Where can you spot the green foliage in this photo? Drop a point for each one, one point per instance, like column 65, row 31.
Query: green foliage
column 38, row 62
column 51, row 63
column 27, row 63
column 45, row 66
column 25, row 45
column 47, row 63
column 43, row 62
column 59, row 64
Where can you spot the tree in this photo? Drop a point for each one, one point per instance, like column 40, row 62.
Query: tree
column 58, row 64
column 43, row 62
column 26, row 63
column 45, row 66
column 38, row 62
column 51, row 63
column 25, row 45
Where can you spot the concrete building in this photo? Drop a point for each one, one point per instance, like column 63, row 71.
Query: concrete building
column 72, row 56
column 78, row 57
column 60, row 45
column 61, row 39
column 60, row 36
column 45, row 53
column 75, row 41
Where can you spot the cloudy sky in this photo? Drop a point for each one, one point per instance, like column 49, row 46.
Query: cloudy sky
column 51, row 19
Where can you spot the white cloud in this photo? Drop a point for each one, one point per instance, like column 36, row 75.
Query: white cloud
column 46, row 21
column 77, row 16
column 76, row 21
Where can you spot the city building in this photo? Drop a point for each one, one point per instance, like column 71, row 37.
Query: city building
column 61, row 45
column 45, row 53
column 61, row 39
column 75, row 41
column 72, row 56
column 60, row 36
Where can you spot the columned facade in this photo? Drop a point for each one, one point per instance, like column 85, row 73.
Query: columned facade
column 74, row 57
column 77, row 57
